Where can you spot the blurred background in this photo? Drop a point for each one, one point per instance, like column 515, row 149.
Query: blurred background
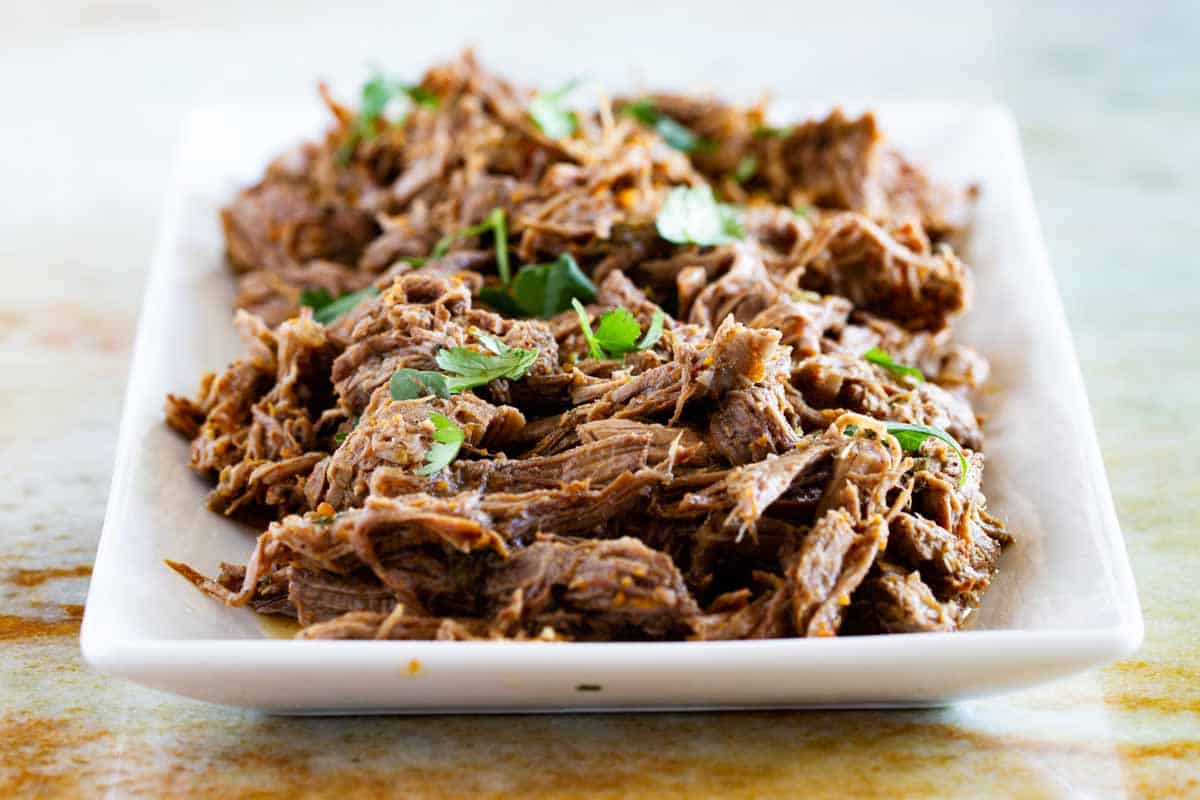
column 1107, row 97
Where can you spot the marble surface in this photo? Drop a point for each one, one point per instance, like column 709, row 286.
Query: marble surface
column 1109, row 106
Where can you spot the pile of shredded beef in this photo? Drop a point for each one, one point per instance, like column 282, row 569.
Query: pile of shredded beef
column 739, row 477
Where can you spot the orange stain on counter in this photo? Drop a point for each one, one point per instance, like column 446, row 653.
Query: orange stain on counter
column 29, row 578
column 16, row 628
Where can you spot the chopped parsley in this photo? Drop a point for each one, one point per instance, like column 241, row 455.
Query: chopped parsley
column 377, row 94
column 447, row 439
column 542, row 290
column 549, row 112
column 674, row 133
column 691, row 215
column 617, row 332
column 884, row 359
column 326, row 309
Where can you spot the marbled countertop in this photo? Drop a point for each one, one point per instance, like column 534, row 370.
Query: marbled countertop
column 1109, row 106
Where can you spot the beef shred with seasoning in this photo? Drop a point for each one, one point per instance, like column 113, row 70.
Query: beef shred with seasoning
column 520, row 369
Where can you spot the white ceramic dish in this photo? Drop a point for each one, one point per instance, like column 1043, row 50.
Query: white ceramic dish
column 1064, row 600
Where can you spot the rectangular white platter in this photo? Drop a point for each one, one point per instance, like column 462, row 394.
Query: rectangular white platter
column 1064, row 600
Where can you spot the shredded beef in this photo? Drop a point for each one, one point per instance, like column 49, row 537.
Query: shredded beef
column 735, row 476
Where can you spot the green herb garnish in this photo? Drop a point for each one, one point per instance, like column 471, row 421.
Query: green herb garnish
column 550, row 114
column 771, row 132
column 674, row 133
column 617, row 333
column 377, row 93
column 316, row 299
column 340, row 436
column 542, row 290
column 495, row 223
column 655, row 331
column 884, row 359
column 803, row 212
column 447, row 439
column 745, row 169
column 911, row 437
column 469, row 368
column 409, row 384
column 691, row 215
column 326, row 310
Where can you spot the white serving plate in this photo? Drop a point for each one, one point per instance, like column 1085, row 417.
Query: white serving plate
column 1064, row 600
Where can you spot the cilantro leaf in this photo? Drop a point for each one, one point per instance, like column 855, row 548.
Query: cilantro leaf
column 617, row 332
column 542, row 290
column 447, row 439
column 884, row 359
column 673, row 132
column 495, row 223
column 409, row 384
column 377, row 93
column 548, row 112
column 745, row 169
column 326, row 310
column 910, row 438
column 469, row 368
column 770, row 132
column 340, row 436
column 589, row 336
column 501, row 299
column 691, row 215
column 655, row 331
column 316, row 299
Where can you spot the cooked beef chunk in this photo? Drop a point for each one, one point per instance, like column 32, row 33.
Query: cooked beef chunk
column 895, row 602
column 405, row 327
column 320, row 596
column 831, row 384
column 831, row 562
column 282, row 223
column 804, row 321
column 399, row 433
column 734, row 478
column 617, row 291
column 744, row 494
column 751, row 423
column 257, row 427
column 814, row 594
column 617, row 589
column 945, row 362
column 575, row 508
column 742, row 292
column 898, row 277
